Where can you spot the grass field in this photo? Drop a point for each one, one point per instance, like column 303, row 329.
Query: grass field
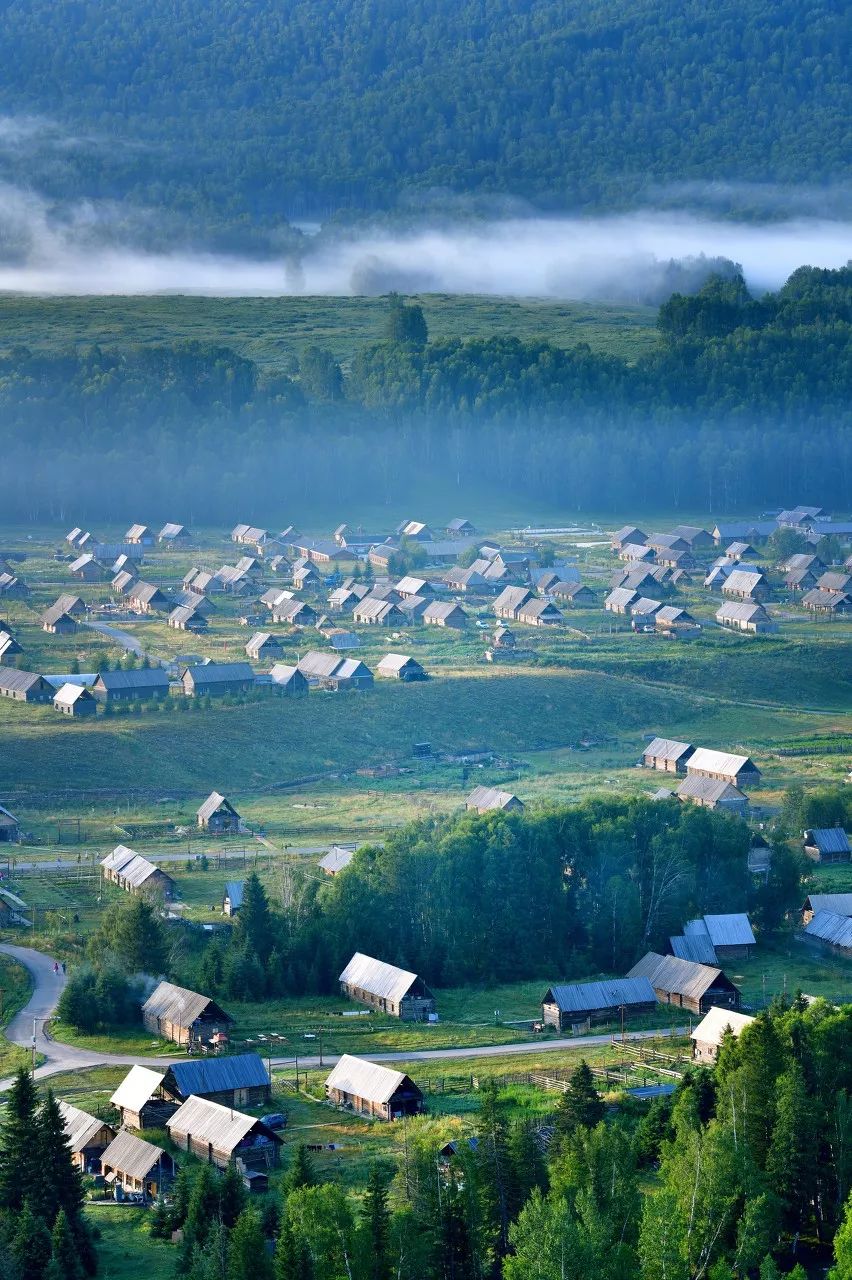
column 15, row 988
column 274, row 331
column 126, row 1250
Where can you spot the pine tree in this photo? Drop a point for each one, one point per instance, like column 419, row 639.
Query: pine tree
column 248, row 1258
column 62, row 1184
column 20, row 1175
column 794, row 1152
column 301, row 1172
column 232, row 1196
column 31, row 1244
column 375, row 1224
column 253, row 930
column 202, row 1208
column 769, row 1269
column 65, row 1263
column 578, row 1108
column 496, row 1175
column 292, row 1260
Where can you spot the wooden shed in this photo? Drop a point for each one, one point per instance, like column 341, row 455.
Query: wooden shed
column 713, row 793
column 232, row 898
column 218, row 816
column 10, row 828
column 184, row 1016
column 234, row 1080
column 400, row 666
column 444, row 613
column 139, row 1100
column 223, row 1136
column 730, row 936
column 686, row 984
column 288, row 681
column 576, row 1004
column 75, row 700
column 667, row 755
column 373, row 1090
column 745, row 616
column 87, row 1136
column 135, row 874
column 388, row 989
column 487, row 799
column 137, row 1166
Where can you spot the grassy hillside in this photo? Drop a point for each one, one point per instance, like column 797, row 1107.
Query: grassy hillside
column 234, row 114
column 273, row 332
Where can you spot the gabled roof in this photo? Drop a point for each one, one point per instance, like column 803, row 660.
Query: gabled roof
column 180, row 1006
column 69, row 694
column 706, row 760
column 138, row 1087
column 18, row 681
column 839, row 903
column 741, row 611
column 338, row 857
column 396, row 662
column 621, row 596
column 731, row 930
column 538, row 609
column 281, row 673
column 234, row 893
column 439, row 610
column 667, row 749
column 137, row 531
column 828, row 926
column 629, row 533
column 136, row 678
column 214, row 802
column 80, row 1127
column 696, row 786
column 145, row 592
column 220, row 672
column 120, row 857
column 828, row 839
column 584, row 997
column 367, row 1080
column 82, row 562
column 384, row 980
column 318, row 665
column 170, row 531
column 132, row 1156
column 512, row 598
column 216, row 1075
column 744, row 581
column 185, row 613
column 696, row 947
column 222, row 1127
column 716, row 1022
column 669, row 973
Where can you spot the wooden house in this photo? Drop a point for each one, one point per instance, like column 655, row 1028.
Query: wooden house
column 746, row 616
column 87, row 569
column 444, row 613
column 685, row 984
column 233, row 1080
column 503, row 638
column 373, row 1090
column 724, row 937
column 145, row 597
column 294, row 613
column 577, row 1004
column 839, row 583
column 488, row 799
column 380, row 556
column 746, row 584
column 218, row 816
column 839, row 903
column 217, row 678
column 232, row 898
column 337, row 859
column 124, row 581
column 713, row 793
column 135, row 874
column 634, row 552
column 628, row 534
column 87, row 1137
column 740, row 771
column 288, row 681
column 696, row 538
column 830, row 931
column 510, row 600
column 174, row 535
column 833, row 604
column 674, row 621
column 663, row 542
column 400, row 666
column 460, row 528
column 10, row 828
column 620, row 600
column 264, row 645
column 414, row 529
column 539, row 613
column 799, row 580
column 57, row 622
column 136, row 1166
column 378, row 613
column 388, row 989
column 140, row 1101
column 24, row 686
column 9, row 647
column 222, row 1136
column 667, row 755
column 574, row 594
column 707, row 1037
column 139, row 535
column 139, row 684
column 189, row 617
column 410, row 586
column 827, row 844
column 13, row 587
column 184, row 1016
column 75, row 700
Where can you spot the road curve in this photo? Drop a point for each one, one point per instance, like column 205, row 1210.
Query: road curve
column 47, row 988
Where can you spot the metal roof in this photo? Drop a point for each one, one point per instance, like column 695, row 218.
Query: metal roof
column 827, row 839
column 620, row 596
column 741, row 611
column 512, row 598
column 438, row 610
column 839, row 903
column 742, row 580
column 18, row 681
column 136, row 872
column 212, row 804
column 281, row 673
column 138, row 1087
column 490, row 798
column 697, row 787
column 732, row 930
column 179, row 1005
column 364, row 1079
column 145, row 592
column 396, row 662
column 695, row 947
column 670, row 973
column 216, row 1075
column 537, row 609
column 136, row 531
column 319, row 665
column 222, row 1127
column 80, row 1127
column 716, row 1022
column 169, row 531
column 234, row 893
column 384, row 980
column 81, row 562
column 120, row 857
column 337, row 858
column 220, row 672
column 828, row 926
column 583, row 997
column 69, row 694
column 132, row 1156
column 140, row 678
column 705, row 760
column 822, row 599
column 666, row 749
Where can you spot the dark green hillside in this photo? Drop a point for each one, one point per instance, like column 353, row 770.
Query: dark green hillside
column 238, row 112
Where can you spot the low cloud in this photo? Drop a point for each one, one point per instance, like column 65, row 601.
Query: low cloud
column 95, row 249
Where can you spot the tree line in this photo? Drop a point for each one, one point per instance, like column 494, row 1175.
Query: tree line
column 745, row 403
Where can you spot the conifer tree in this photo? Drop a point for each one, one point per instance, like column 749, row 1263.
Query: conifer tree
column 65, row 1261
column 31, row 1244
column 292, row 1260
column 232, row 1196
column 794, row 1152
column 20, row 1175
column 375, row 1224
column 253, row 930
column 248, row 1258
column 301, row 1172
column 579, row 1107
column 61, row 1182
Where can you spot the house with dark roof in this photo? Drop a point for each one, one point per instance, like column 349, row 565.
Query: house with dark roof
column 87, row 1137
column 145, row 597
column 24, row 686
column 10, row 828
column 139, row 535
column 722, row 937
column 234, row 1080
column 218, row 816
column 566, row 1006
column 827, row 844
column 232, row 898
column 628, row 534
column 460, row 528
column 510, row 600
column 189, row 617
column 87, row 569
column 139, row 684
column 217, row 678
column 686, row 984
column 539, row 613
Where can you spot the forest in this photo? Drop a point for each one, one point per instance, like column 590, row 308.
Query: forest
column 228, row 117
column 744, row 403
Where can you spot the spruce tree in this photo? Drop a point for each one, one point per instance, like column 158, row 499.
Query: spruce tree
column 65, row 1262
column 292, row 1260
column 31, row 1244
column 253, row 926
column 301, row 1172
column 232, row 1196
column 842, row 1269
column 375, row 1225
column 20, row 1174
column 248, row 1258
column 62, row 1186
column 794, row 1151
column 578, row 1108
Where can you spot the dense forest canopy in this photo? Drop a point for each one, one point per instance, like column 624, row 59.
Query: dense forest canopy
column 744, row 404
column 241, row 113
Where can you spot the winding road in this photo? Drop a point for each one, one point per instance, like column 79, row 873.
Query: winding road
column 47, row 988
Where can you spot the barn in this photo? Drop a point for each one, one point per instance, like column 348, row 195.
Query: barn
column 75, row 700
column 234, row 1080
column 223, row 1136
column 830, row 931
column 373, row 1090
column 216, row 678
column 730, row 937
column 137, row 1166
column 24, row 686
column 87, row 1136
column 667, row 755
column 385, row 987
column 288, row 681
column 10, row 828
column 568, row 1005
column 186, row 1017
column 713, row 793
column 400, row 666
column 827, row 844
column 487, row 799
column 740, row 771
column 685, row 984
column 143, row 684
